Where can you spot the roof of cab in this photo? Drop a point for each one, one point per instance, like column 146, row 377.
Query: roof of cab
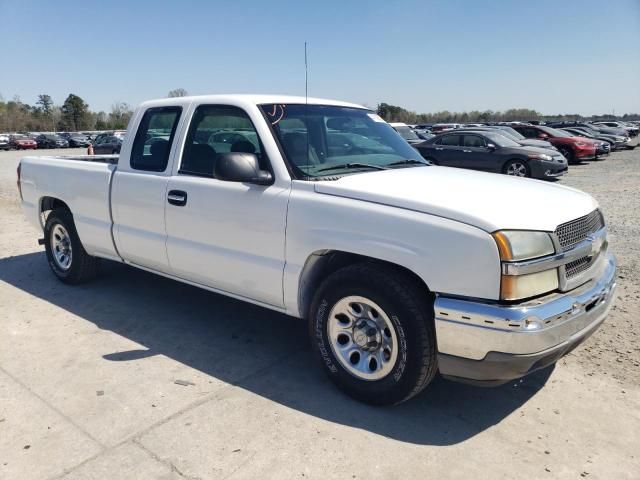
column 235, row 99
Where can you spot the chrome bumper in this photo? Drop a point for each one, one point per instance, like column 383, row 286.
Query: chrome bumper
column 472, row 329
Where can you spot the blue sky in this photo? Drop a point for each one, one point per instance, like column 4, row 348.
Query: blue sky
column 557, row 56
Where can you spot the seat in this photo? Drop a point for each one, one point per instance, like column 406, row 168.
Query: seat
column 244, row 146
column 295, row 145
column 200, row 158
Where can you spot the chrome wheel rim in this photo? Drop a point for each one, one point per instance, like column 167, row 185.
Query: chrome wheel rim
column 362, row 338
column 61, row 247
column 517, row 169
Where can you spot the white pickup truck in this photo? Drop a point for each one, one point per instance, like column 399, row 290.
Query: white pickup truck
column 320, row 210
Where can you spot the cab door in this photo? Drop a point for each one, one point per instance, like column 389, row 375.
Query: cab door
column 226, row 235
column 140, row 187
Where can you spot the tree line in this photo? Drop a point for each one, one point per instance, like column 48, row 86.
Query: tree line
column 73, row 115
column 394, row 113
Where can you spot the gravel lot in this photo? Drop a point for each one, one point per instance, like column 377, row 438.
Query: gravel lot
column 136, row 376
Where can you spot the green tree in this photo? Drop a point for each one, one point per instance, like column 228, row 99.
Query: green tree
column 75, row 113
column 120, row 114
column 178, row 92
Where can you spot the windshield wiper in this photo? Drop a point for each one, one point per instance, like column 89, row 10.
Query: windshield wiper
column 344, row 166
column 409, row 161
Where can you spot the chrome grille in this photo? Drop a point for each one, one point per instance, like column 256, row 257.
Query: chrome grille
column 578, row 266
column 572, row 233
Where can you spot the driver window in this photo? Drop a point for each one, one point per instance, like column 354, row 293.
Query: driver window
column 217, row 129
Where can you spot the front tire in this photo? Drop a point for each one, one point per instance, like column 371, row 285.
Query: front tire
column 568, row 154
column 67, row 258
column 372, row 329
column 517, row 168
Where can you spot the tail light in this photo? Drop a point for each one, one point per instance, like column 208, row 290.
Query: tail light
column 19, row 184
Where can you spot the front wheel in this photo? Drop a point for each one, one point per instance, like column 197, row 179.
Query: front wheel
column 372, row 328
column 517, row 168
column 567, row 153
column 66, row 256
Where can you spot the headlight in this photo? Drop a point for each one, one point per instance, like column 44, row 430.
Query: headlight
column 540, row 156
column 516, row 245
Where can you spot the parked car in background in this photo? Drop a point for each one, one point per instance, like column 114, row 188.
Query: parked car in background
column 614, row 141
column 78, row 140
column 22, row 142
column 515, row 136
column 107, row 143
column 442, row 127
column 574, row 149
column 492, row 152
column 632, row 129
column 4, row 142
column 424, row 135
column 51, row 140
column 405, row 132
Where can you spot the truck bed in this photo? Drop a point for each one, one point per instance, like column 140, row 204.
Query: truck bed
column 83, row 182
column 110, row 159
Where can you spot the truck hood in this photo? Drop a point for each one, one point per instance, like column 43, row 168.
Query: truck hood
column 486, row 200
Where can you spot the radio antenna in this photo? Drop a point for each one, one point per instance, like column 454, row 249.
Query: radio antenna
column 306, row 74
column 306, row 99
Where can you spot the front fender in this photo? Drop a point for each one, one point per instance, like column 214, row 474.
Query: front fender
column 450, row 257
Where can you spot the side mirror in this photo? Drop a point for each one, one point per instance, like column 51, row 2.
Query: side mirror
column 241, row 167
column 543, row 136
column 491, row 146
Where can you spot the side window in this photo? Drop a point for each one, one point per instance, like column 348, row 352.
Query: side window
column 451, row 140
column 217, row 129
column 473, row 141
column 152, row 144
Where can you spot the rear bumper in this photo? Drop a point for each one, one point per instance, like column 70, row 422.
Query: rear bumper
column 491, row 344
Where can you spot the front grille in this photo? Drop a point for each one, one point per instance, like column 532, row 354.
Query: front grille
column 572, row 233
column 578, row 266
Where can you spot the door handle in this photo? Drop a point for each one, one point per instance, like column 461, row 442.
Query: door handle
column 177, row 198
column 439, row 148
column 466, row 151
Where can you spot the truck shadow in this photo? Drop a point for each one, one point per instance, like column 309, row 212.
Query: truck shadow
column 261, row 351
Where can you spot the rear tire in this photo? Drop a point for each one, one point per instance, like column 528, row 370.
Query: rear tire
column 372, row 328
column 67, row 258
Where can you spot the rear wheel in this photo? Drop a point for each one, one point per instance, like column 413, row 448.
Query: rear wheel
column 517, row 168
column 66, row 256
column 372, row 328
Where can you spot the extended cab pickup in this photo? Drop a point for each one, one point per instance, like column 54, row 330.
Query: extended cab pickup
column 320, row 210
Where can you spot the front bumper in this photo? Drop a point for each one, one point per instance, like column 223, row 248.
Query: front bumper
column 547, row 169
column 492, row 343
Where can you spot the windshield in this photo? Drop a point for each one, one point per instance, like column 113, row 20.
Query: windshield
column 501, row 140
column 513, row 133
column 554, row 132
column 406, row 133
column 316, row 137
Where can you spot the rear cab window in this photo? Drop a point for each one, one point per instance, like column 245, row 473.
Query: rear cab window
column 154, row 137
